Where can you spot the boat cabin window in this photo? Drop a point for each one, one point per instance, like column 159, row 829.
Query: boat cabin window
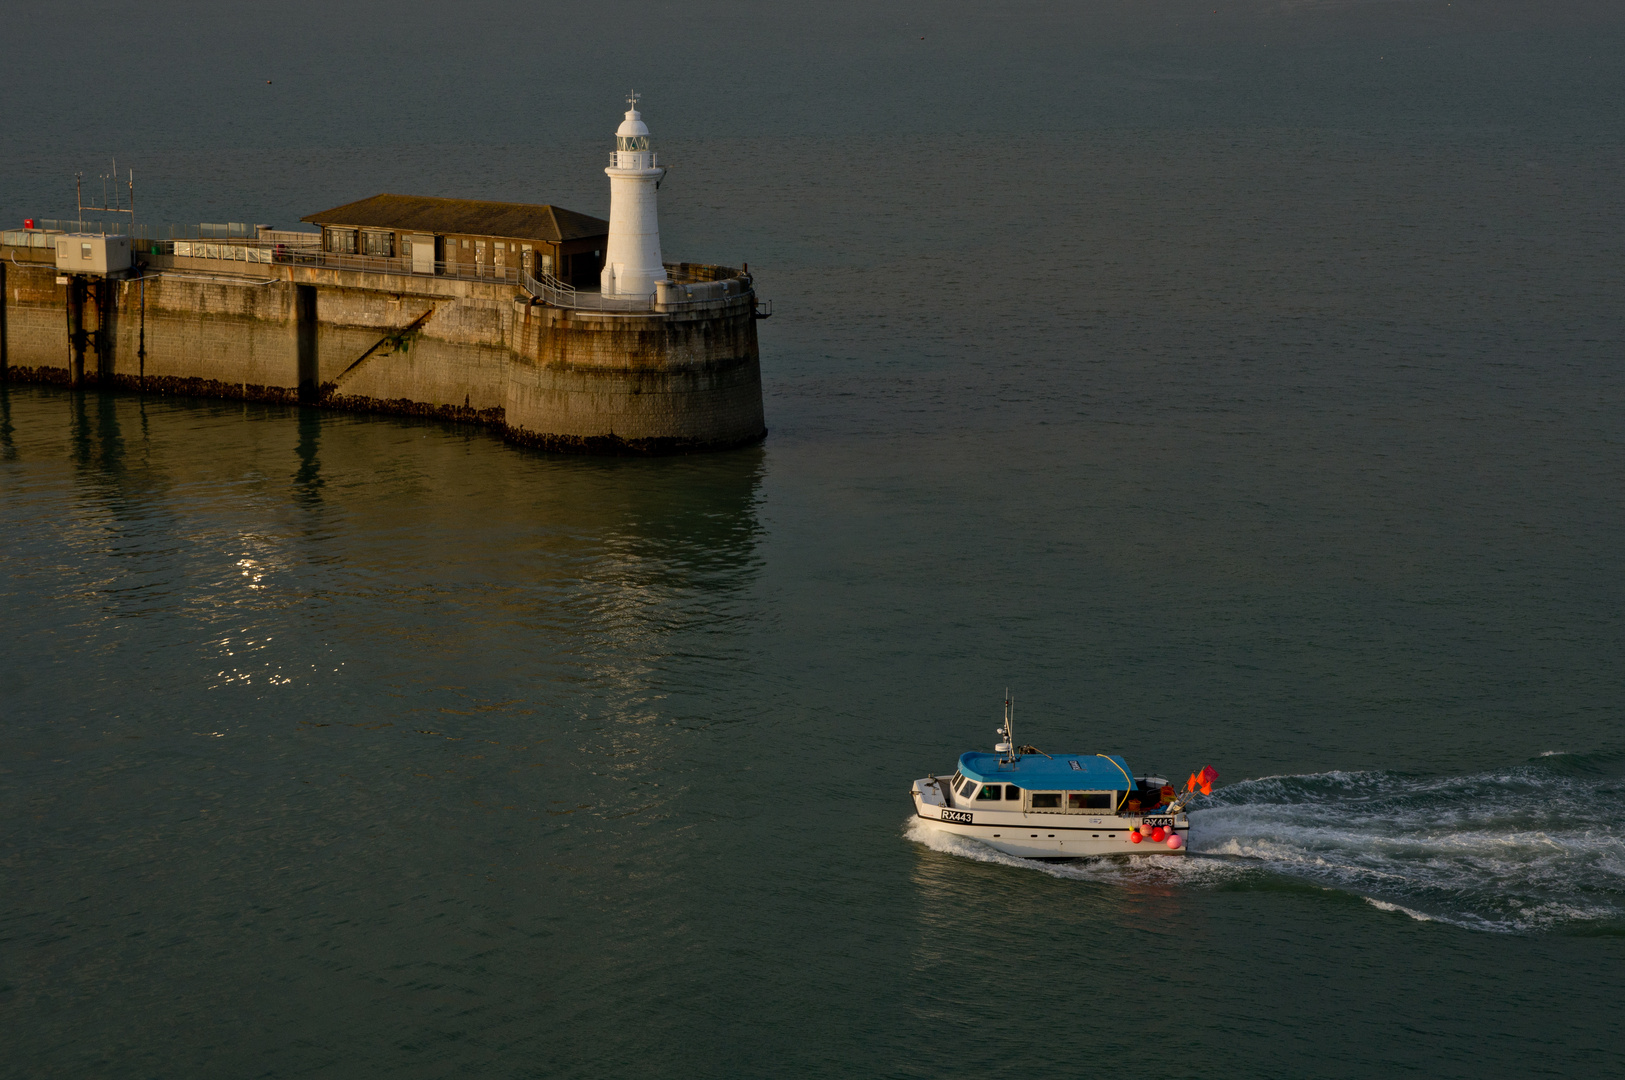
column 1046, row 800
column 966, row 788
column 1012, row 792
column 955, row 781
column 989, row 792
column 1088, row 800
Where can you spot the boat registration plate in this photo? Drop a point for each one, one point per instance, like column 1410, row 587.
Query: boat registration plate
column 958, row 817
column 1165, row 822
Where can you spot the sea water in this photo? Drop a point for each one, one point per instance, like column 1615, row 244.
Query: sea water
column 1240, row 384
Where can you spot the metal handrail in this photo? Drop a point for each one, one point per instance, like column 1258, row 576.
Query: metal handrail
column 267, row 252
column 548, row 289
column 551, row 291
column 402, row 264
column 188, row 247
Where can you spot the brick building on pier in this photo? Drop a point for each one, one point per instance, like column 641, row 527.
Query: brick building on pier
column 469, row 234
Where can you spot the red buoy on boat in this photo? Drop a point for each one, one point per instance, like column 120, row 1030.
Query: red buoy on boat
column 1158, row 834
column 1174, row 842
column 1135, row 837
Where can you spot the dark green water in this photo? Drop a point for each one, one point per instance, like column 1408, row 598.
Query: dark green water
column 1239, row 387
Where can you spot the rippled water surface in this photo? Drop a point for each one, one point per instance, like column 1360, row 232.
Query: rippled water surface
column 1240, row 384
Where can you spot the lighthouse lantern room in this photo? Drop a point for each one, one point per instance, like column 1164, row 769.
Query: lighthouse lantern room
column 632, row 265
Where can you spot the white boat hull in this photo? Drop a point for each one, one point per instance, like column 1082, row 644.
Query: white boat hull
column 1045, row 836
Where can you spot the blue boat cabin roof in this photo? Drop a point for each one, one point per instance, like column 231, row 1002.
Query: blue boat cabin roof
column 1057, row 772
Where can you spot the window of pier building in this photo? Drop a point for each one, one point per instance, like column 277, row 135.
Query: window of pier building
column 377, row 242
column 341, row 241
column 631, row 142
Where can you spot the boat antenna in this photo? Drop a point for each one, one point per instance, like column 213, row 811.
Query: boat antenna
column 1010, row 723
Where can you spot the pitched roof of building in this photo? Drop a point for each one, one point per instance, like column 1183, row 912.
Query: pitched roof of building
column 472, row 217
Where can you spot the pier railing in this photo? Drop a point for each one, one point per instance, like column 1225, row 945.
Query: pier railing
column 381, row 264
column 691, row 286
column 37, row 238
column 548, row 289
column 147, row 231
column 556, row 293
column 270, row 251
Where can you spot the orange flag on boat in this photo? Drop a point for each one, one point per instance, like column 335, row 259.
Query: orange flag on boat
column 1190, row 785
column 1206, row 778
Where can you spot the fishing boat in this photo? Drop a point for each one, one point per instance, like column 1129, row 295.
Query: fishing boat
column 1024, row 802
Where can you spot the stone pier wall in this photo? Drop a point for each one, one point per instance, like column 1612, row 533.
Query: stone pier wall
column 470, row 351
column 691, row 378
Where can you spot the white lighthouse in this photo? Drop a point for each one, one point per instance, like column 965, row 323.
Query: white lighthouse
column 632, row 263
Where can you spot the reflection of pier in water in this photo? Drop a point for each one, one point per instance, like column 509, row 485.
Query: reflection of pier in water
column 425, row 549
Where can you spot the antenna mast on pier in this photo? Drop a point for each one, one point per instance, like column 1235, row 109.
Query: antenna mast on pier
column 79, row 198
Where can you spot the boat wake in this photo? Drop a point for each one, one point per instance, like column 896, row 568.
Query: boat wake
column 1533, row 848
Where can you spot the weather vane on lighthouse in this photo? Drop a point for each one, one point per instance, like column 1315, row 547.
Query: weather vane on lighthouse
column 632, row 265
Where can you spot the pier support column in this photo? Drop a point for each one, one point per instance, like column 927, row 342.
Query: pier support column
column 76, row 331
column 5, row 359
column 105, row 293
column 141, row 342
column 305, row 321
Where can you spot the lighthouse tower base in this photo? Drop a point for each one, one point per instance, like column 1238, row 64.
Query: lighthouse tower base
column 659, row 382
